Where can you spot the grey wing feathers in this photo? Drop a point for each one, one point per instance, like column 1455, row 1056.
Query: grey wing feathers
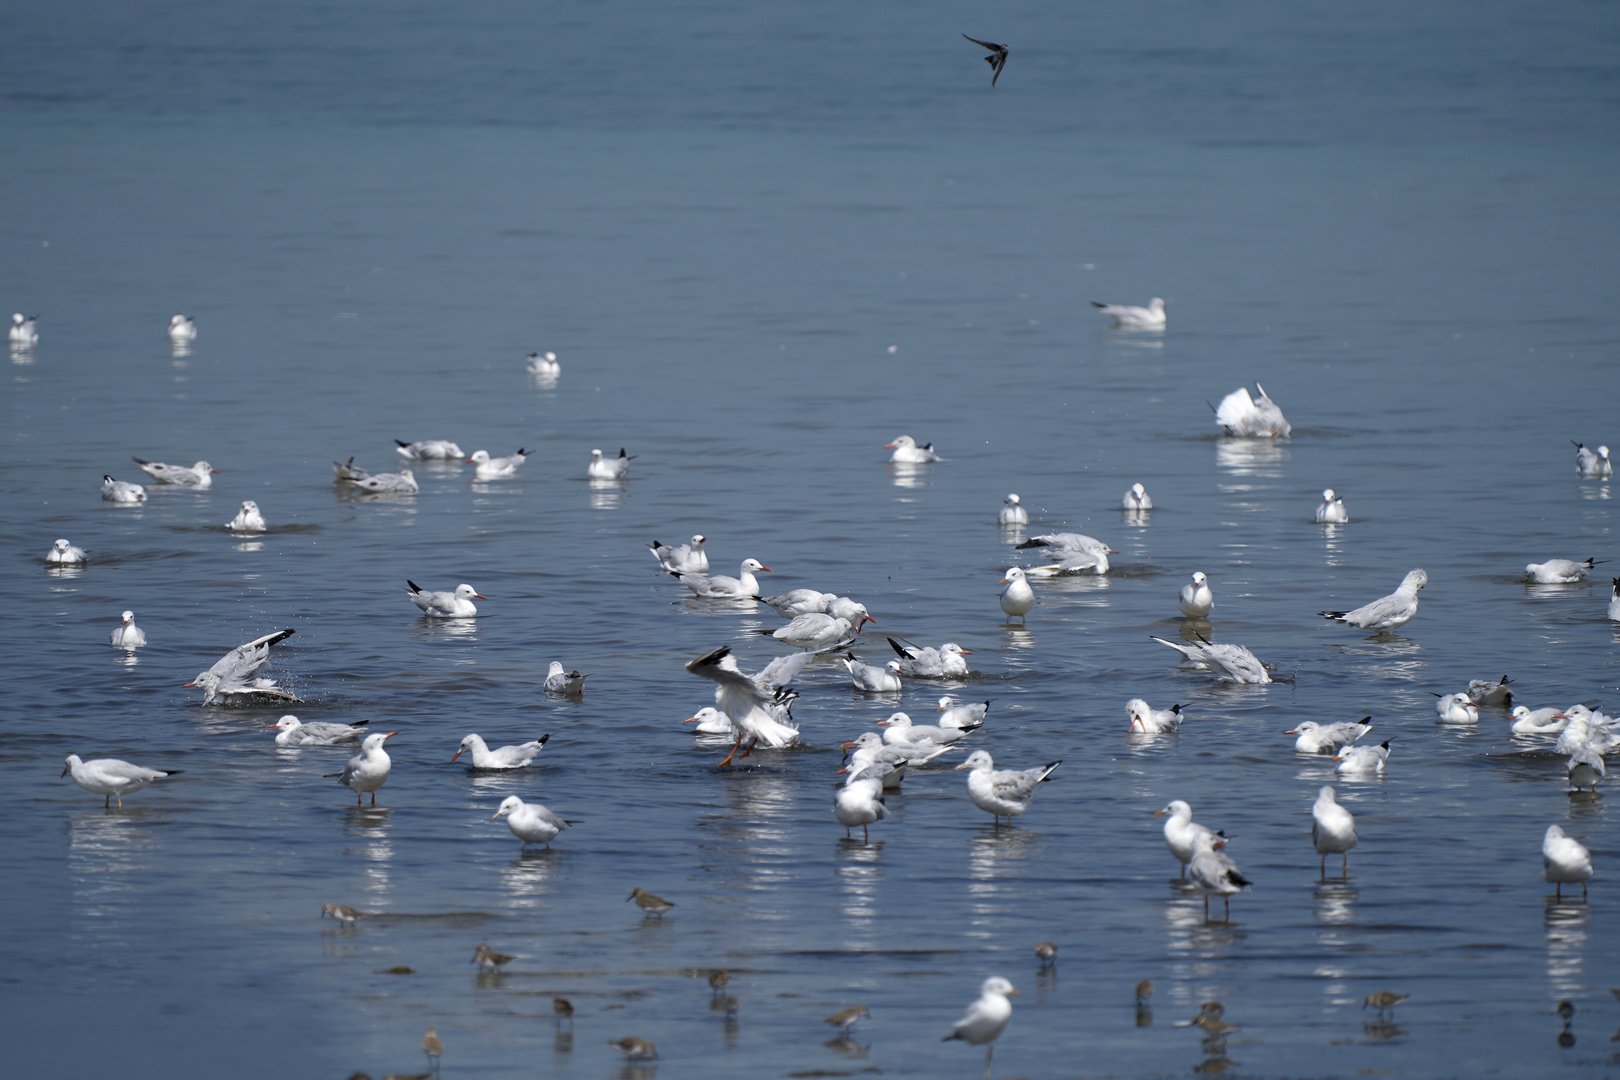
column 783, row 670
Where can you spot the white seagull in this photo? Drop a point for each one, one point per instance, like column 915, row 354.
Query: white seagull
column 944, row 662
column 1017, row 597
column 1331, row 511
column 1196, row 598
column 111, row 777
column 128, row 636
column 1138, row 499
column 1564, row 861
column 291, row 731
column 367, row 770
column 531, row 823
column 1146, row 721
column 1013, row 513
column 559, row 681
column 873, row 679
column 1234, row 663
column 751, row 702
column 985, row 1019
column 121, row 491
column 1213, row 873
column 345, row 471
column 1069, row 545
column 1587, row 464
column 1333, row 828
column 606, row 468
column 1456, row 709
column 796, row 602
column 1130, row 317
column 1486, row 692
column 182, row 329
column 1247, row 417
column 504, row 757
column 543, row 364
column 429, row 450
column 1585, row 768
column 496, row 468
column 962, row 717
column 860, row 802
column 812, row 631
column 1547, row 721
column 720, row 587
column 901, row 731
column 387, row 483
column 200, row 475
column 1181, row 833
column 1559, row 571
column 1614, row 600
column 23, row 330
column 688, row 558
column 907, row 452
column 1362, row 759
column 1004, row 793
column 1387, row 612
column 445, row 605
column 248, row 519
column 232, row 674
column 1315, row 738
column 63, row 553
column 711, row 721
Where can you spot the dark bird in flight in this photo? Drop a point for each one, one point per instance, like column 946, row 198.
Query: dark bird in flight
column 997, row 58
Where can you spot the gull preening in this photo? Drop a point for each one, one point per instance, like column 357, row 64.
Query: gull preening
column 873, row 679
column 1073, row 552
column 121, row 491
column 505, row 757
column 248, row 519
column 561, row 681
column 1233, row 663
column 1016, row 596
column 63, row 553
column 543, row 364
column 1131, row 317
column 688, row 558
column 1145, row 720
column 1196, row 598
column 796, row 602
column 1456, row 709
column 985, row 1019
column 1331, row 511
column 232, row 675
column 402, row 482
column 860, row 802
column 1587, row 464
column 291, row 731
column 1387, row 612
column 531, row 823
column 496, row 468
column 1315, row 738
column 368, row 770
column 127, row 635
column 111, row 777
column 1181, row 833
column 1333, row 828
column 1211, row 872
column 1002, row 793
column 720, row 587
column 907, row 452
column 23, row 330
column 1564, row 861
column 1138, row 499
column 445, row 605
column 753, row 703
column 1362, row 759
column 812, row 630
column 182, row 329
column 606, row 468
column 344, row 471
column 1559, row 571
column 944, row 662
column 429, row 450
column 200, row 475
column 1248, row 417
column 1013, row 512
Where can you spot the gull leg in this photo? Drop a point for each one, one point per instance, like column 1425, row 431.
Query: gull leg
column 1206, row 908
column 1324, row 867
column 987, row 1052
column 106, row 804
column 1183, row 871
column 1558, row 892
column 120, row 798
column 734, row 747
column 751, row 746
column 1226, row 902
column 1583, row 890
column 373, row 798
column 1347, row 866
column 867, row 839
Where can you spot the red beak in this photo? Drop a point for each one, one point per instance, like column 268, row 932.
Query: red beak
column 453, row 760
column 765, row 569
column 188, row 684
column 480, row 596
column 390, row 735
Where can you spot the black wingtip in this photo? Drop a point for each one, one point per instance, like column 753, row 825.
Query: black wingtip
column 1097, row 305
column 401, row 442
column 415, row 588
column 895, row 645
column 542, row 740
column 766, row 633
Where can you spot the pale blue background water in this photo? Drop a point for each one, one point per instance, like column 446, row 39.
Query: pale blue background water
column 721, row 219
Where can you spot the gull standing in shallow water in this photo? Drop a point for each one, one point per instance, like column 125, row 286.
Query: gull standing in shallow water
column 1565, row 861
column 689, row 558
column 720, row 587
column 1614, row 600
column 1131, row 317
column 248, row 519
column 63, row 553
column 1013, row 513
column 860, row 802
column 1017, row 598
column 1181, row 833
column 1587, row 464
column 986, row 1018
column 531, row 823
column 367, row 770
column 907, row 452
column 445, row 605
column 1138, row 499
column 111, row 777
column 1333, row 828
column 1387, row 612
column 1559, row 571
column 200, row 475
column 292, row 731
column 121, row 491
column 1005, row 793
column 505, row 757
column 1331, row 511
column 489, row 468
column 1197, row 601
column 128, row 636
column 1213, row 873
column 231, row 675
column 1246, row 417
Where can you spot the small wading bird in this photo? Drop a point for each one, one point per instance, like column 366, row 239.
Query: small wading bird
column 646, row 901
column 997, row 58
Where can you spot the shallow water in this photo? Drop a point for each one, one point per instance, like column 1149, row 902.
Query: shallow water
column 1435, row 320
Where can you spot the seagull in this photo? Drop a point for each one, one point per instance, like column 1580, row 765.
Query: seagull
column 182, row 329
column 1388, row 612
column 1013, row 513
column 111, row 777
column 636, row 1049
column 871, row 749
column 496, row 468
column 1017, row 598
column 1485, row 692
column 812, row 631
column 985, row 1019
column 1067, row 545
column 751, row 702
column 1146, row 721
column 200, row 475
column 1138, row 499
column 604, row 468
column 1131, row 317
column 1243, row 416
column 907, row 452
column 1362, row 759
column 231, row 675
column 844, row 1019
column 1331, row 511
column 63, row 553
column 248, row 519
column 505, row 757
column 402, row 482
column 1213, row 873
column 558, row 681
column 127, row 636
column 902, row 731
column 1456, row 709
column 710, row 721
column 944, row 662
column 1002, row 793
column 543, row 364
column 1315, row 738
column 446, row 605
column 860, row 802
column 997, row 60
column 1547, row 721
column 1585, row 768
column 962, row 717
column 1181, row 833
column 345, row 471
column 1333, row 828
column 121, row 491
column 720, row 587
column 689, row 558
column 367, row 770
column 796, row 602
column 1196, row 598
column 23, row 331
column 486, row 957
column 429, row 450
column 343, row 913
column 1564, row 861
column 531, row 823
column 646, row 901
column 1234, row 662
column 292, row 731
column 1559, row 571
column 1587, row 464
column 871, row 678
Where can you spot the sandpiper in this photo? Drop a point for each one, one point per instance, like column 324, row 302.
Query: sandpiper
column 1383, row 1000
column 646, row 901
column 1046, row 953
column 718, row 978
column 562, row 1009
column 489, row 959
column 343, row 913
column 636, row 1049
column 844, row 1019
column 433, row 1047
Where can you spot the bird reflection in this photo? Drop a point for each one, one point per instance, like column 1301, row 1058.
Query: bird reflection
column 860, row 872
column 543, row 381
column 370, row 824
column 1252, row 457
column 64, row 571
column 1566, row 935
column 910, row 475
column 1334, row 900
column 250, row 545
column 179, row 348
column 1197, row 630
column 527, row 878
column 608, row 494
column 429, row 629
column 847, row 1047
column 1330, row 545
column 1016, row 637
column 637, row 1072
column 1190, row 933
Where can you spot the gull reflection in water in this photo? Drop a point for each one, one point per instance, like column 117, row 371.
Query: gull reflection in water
column 1332, row 551
column 369, row 824
column 1016, row 637
column 754, row 854
column 1189, row 933
column 543, row 380
column 911, row 475
column 429, row 629
column 1566, row 946
column 59, row 571
column 527, row 878
column 1335, row 902
column 1252, row 457
column 859, row 870
column 127, row 658
column 994, row 873
column 250, row 545
column 608, row 494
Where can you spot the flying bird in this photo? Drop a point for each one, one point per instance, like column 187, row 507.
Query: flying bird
column 997, row 58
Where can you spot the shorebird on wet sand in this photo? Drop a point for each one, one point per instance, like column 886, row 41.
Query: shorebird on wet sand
column 433, row 1047
column 647, row 902
column 343, row 913
column 636, row 1049
column 490, row 960
column 844, row 1019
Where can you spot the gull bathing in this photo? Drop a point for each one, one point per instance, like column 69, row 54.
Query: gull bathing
column 1331, row 511
column 388, row 483
column 231, row 675
column 985, row 1019
column 531, row 823
column 1559, row 571
column 1002, row 793
column 367, row 770
column 292, row 731
column 489, row 468
column 751, row 702
column 63, row 553
column 1387, row 612
column 1146, row 721
column 445, row 605
column 689, row 558
column 1234, row 663
column 907, row 452
column 111, row 777
column 121, row 491
column 1138, row 499
column 1333, row 828
column 812, row 631
column 606, row 468
column 505, row 757
column 1362, row 760
column 127, row 635
column 1013, row 512
column 1485, row 692
column 200, row 475
column 248, row 519
column 872, row 679
column 1247, row 417
column 429, row 450
column 1315, row 738
column 1131, row 317
column 1564, row 861
column 543, row 364
column 1197, row 601
column 23, row 330
column 558, row 681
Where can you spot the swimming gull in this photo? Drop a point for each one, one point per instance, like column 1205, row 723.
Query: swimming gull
column 1559, row 571
column 871, row 678
column 127, row 635
column 1362, row 759
column 445, row 605
column 907, row 452
column 1196, row 598
column 1387, row 612
column 1132, row 317
column 1013, row 513
column 121, row 491
column 1331, row 511
column 606, row 468
column 543, row 364
column 63, row 553
column 200, row 475
column 23, row 330
column 1317, row 738
column 504, row 757
column 720, row 587
column 182, row 329
column 1234, row 663
column 1588, row 465
column 291, row 731
column 1145, row 720
column 489, row 468
column 1138, row 499
column 248, row 519
column 688, row 558
column 944, row 662
column 429, row 450
column 559, row 681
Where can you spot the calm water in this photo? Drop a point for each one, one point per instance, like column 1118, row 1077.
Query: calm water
column 723, row 264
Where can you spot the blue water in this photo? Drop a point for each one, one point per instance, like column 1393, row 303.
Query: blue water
column 723, row 220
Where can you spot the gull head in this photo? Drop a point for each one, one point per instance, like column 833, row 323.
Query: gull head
column 17, row 319
column 508, row 805
column 556, row 668
column 374, row 742
column 1138, row 490
column 893, row 666
column 899, row 720
column 698, row 539
column 1415, row 580
column 1199, row 577
column 1139, row 711
column 1603, row 452
column 1175, row 808
column 467, row 592
column 754, row 566
column 1327, row 794
column 869, row 740
column 1014, row 573
column 976, row 761
column 1553, row 831
column 250, row 507
column 479, row 457
column 470, row 742
column 128, row 617
column 596, row 455
column 287, row 723
column 900, row 442
column 73, row 760
column 1327, row 495
column 62, row 546
column 995, row 984
column 1156, row 305
column 1011, row 500
column 951, row 648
